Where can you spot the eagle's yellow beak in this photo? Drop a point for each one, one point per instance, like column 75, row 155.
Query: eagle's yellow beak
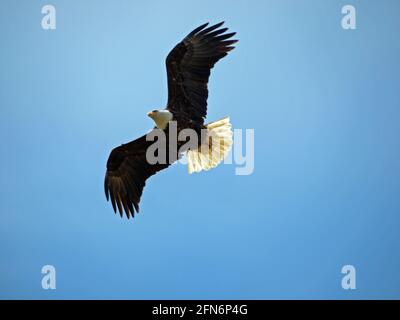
column 150, row 114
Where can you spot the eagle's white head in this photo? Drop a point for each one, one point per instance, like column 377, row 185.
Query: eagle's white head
column 161, row 118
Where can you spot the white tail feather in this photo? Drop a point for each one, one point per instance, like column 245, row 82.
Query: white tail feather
column 214, row 148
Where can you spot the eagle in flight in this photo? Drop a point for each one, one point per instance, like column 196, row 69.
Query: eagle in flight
column 188, row 70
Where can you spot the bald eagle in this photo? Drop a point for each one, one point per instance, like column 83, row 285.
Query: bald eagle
column 188, row 70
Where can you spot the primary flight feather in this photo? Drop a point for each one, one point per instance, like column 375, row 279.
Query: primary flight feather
column 188, row 70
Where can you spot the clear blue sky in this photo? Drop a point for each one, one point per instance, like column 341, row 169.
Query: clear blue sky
column 325, row 106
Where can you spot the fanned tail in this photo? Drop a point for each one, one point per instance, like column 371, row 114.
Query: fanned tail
column 214, row 148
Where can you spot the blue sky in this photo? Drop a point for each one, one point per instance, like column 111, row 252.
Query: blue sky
column 324, row 104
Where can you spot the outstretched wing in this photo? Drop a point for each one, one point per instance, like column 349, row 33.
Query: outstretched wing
column 188, row 69
column 127, row 172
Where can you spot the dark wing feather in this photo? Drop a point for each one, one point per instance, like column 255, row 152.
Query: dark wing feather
column 127, row 172
column 188, row 69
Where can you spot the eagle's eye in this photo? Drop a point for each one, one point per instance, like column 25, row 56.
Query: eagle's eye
column 155, row 111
